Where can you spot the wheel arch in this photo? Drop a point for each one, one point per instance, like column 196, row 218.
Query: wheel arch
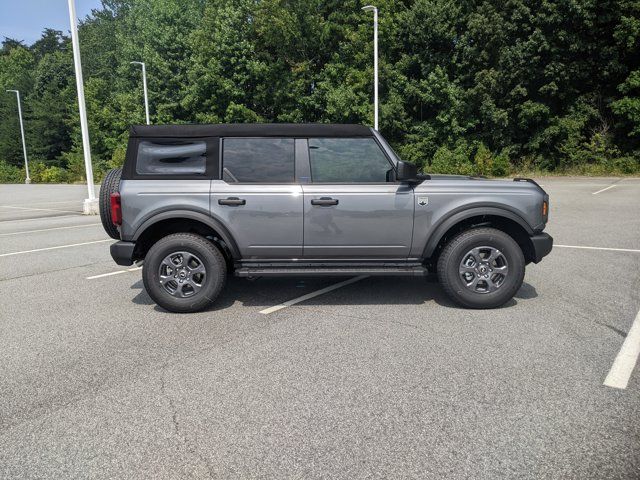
column 505, row 220
column 176, row 221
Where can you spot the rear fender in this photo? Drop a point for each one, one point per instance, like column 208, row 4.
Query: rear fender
column 214, row 224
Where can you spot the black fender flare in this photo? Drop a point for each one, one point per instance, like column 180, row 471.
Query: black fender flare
column 216, row 225
column 464, row 213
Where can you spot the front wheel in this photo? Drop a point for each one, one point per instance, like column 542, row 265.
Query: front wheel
column 481, row 268
column 184, row 272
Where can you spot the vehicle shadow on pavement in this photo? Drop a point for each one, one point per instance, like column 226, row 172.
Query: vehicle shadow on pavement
column 526, row 292
column 266, row 292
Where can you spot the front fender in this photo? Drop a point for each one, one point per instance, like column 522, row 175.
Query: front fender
column 463, row 213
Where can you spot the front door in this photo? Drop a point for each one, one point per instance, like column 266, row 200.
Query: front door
column 258, row 198
column 353, row 207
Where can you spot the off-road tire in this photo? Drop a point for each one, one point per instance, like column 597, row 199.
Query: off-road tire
column 110, row 184
column 459, row 247
column 205, row 251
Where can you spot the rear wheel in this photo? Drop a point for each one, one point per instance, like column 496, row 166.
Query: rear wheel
column 481, row 268
column 110, row 184
column 184, row 272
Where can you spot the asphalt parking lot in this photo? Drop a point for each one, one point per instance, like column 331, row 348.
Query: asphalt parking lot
column 379, row 378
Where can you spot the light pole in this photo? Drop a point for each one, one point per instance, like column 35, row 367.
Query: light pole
column 90, row 206
column 24, row 144
column 144, row 87
column 371, row 8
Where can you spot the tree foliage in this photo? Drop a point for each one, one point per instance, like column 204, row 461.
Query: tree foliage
column 476, row 87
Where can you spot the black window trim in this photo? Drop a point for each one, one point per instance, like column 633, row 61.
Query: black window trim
column 393, row 165
column 214, row 161
column 221, row 161
column 129, row 171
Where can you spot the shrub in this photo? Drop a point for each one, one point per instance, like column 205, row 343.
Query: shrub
column 74, row 161
column 501, row 165
column 456, row 161
column 626, row 165
column 10, row 173
column 483, row 160
column 35, row 169
column 54, row 174
column 118, row 156
column 43, row 173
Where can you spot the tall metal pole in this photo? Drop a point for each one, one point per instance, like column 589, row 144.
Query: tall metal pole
column 90, row 204
column 375, row 62
column 24, row 143
column 144, row 87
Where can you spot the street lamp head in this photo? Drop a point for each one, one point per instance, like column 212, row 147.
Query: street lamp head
column 137, row 63
column 369, row 8
column 13, row 91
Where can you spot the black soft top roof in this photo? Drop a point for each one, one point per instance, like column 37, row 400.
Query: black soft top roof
column 252, row 130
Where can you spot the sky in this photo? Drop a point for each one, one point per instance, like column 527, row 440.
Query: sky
column 26, row 19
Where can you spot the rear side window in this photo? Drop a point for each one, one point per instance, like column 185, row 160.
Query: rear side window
column 348, row 160
column 258, row 160
column 172, row 158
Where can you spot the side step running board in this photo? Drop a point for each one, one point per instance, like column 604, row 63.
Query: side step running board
column 413, row 271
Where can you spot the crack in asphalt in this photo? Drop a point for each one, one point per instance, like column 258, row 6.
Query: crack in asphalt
column 191, row 448
column 622, row 333
column 41, row 412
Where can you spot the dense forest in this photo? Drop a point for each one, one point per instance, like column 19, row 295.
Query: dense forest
column 485, row 87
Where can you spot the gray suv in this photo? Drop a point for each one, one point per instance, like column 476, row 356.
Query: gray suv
column 196, row 202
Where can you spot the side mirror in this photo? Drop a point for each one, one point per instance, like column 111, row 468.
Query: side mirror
column 407, row 172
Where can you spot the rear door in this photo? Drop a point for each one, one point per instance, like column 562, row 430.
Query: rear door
column 258, row 197
column 353, row 207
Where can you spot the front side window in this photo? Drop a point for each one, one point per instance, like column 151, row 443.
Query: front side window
column 172, row 158
column 258, row 160
column 348, row 160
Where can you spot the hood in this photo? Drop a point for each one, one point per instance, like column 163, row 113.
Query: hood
column 443, row 176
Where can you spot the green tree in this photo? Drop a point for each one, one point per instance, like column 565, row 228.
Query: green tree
column 465, row 87
column 16, row 66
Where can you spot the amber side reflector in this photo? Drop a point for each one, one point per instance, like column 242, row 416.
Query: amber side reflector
column 545, row 209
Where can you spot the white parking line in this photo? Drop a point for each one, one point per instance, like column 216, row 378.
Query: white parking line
column 600, row 191
column 117, row 272
column 47, row 229
column 40, row 209
column 46, row 203
column 626, row 359
column 599, row 248
column 40, row 219
column 322, row 291
column 54, row 248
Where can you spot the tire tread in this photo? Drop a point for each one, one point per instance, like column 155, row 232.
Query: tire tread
column 110, row 184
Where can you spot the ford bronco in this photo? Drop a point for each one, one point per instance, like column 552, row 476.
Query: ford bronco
column 197, row 202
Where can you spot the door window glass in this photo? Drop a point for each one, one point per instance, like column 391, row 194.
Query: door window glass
column 258, row 160
column 347, row 160
column 174, row 158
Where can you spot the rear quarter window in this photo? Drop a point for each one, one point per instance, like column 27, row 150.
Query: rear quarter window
column 177, row 157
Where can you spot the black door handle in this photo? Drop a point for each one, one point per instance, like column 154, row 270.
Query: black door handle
column 324, row 201
column 232, row 201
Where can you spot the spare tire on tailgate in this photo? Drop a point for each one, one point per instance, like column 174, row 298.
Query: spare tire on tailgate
column 110, row 184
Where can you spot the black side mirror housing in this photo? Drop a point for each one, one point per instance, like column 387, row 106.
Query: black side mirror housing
column 407, row 172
